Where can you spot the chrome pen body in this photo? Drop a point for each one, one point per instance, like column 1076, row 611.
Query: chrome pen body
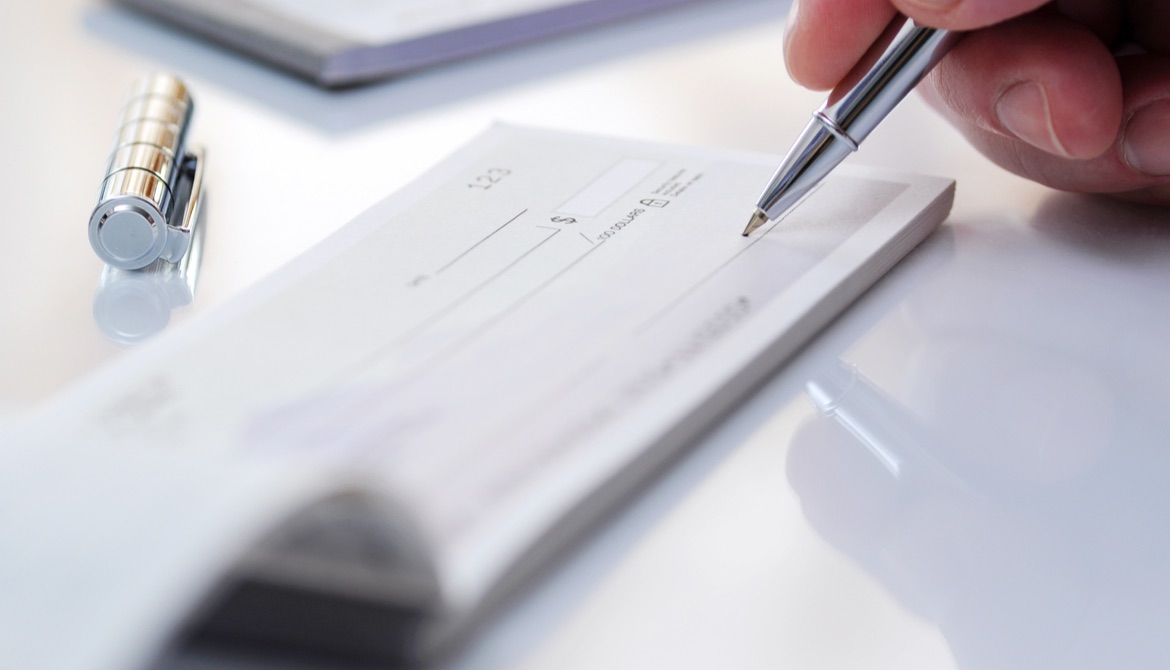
column 892, row 67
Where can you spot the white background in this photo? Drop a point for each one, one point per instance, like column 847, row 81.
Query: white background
column 1021, row 351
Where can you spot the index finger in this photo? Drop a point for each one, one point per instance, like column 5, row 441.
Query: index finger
column 826, row 38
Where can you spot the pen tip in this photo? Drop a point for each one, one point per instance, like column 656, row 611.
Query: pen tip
column 758, row 219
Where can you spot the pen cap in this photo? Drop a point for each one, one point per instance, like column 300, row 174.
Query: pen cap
column 137, row 200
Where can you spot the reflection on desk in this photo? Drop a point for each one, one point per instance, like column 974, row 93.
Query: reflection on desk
column 1012, row 489
column 130, row 306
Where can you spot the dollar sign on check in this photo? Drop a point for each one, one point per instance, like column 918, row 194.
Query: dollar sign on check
column 564, row 219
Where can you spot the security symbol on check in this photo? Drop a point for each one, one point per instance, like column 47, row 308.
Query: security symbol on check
column 655, row 203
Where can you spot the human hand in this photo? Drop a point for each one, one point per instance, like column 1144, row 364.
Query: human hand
column 1041, row 88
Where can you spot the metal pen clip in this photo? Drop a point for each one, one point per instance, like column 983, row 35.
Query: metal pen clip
column 150, row 197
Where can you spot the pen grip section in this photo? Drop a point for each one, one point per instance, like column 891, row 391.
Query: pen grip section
column 892, row 67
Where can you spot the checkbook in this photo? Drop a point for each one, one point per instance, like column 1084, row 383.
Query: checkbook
column 373, row 449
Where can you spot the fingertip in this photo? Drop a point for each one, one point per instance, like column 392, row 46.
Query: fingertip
column 824, row 39
column 794, row 51
column 803, row 52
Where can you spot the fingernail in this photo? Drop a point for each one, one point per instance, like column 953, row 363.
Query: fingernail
column 1024, row 112
column 1147, row 139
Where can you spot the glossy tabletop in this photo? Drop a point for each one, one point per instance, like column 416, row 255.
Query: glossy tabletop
column 966, row 470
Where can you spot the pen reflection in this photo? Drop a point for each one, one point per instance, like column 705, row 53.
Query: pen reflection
column 130, row 306
column 1007, row 483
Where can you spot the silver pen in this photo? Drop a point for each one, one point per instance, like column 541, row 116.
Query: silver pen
column 888, row 72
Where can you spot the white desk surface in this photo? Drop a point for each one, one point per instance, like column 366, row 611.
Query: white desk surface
column 1021, row 353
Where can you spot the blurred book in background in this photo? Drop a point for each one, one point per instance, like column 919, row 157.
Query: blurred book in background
column 338, row 43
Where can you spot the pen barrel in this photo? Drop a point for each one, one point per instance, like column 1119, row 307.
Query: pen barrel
column 896, row 63
column 137, row 199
